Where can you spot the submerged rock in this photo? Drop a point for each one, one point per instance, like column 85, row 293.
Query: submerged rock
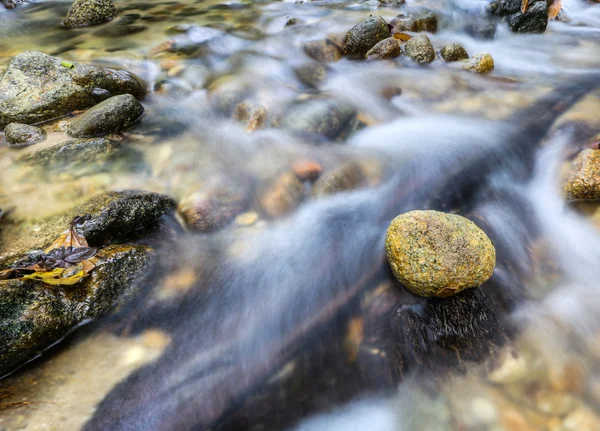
column 347, row 176
column 110, row 217
column 481, row 28
column 364, row 35
column 584, row 179
column 325, row 117
column 419, row 20
column 323, row 51
column 436, row 254
column 23, row 135
column 482, row 62
column 420, row 49
column 453, row 52
column 211, row 210
column 38, row 87
column 311, row 74
column 283, row 195
column 112, row 115
column 387, row 48
column 85, row 13
column 34, row 315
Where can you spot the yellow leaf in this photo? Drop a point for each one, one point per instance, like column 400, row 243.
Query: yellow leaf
column 62, row 276
column 403, row 37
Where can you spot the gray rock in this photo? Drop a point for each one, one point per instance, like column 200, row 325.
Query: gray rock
column 82, row 157
column 34, row 315
column 535, row 20
column 112, row 115
column 420, row 49
column 416, row 21
column 39, row 87
column 453, row 52
column 387, row 48
column 312, row 74
column 85, row 13
column 479, row 28
column 364, row 35
column 324, row 117
column 23, row 135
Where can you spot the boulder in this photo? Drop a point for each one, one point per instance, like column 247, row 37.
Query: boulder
column 535, row 20
column 86, row 13
column 453, row 52
column 113, row 115
column 38, row 87
column 437, row 254
column 34, row 315
column 420, row 49
column 584, row 177
column 387, row 48
column 23, row 135
column 364, row 35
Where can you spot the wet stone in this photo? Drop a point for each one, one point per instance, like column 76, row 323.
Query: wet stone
column 364, row 35
column 38, row 87
column 85, row 13
column 34, row 315
column 22, row 135
column 481, row 29
column 323, row 51
column 584, row 178
column 417, row 21
column 282, row 196
column 535, row 20
column 420, row 49
column 311, row 74
column 387, row 48
column 348, row 176
column 482, row 62
column 453, row 52
column 323, row 117
column 113, row 115
column 437, row 254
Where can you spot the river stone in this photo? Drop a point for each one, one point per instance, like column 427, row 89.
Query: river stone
column 482, row 62
column 34, row 315
column 453, row 52
column 417, row 21
column 311, row 74
column 387, row 48
column 282, row 195
column 323, row 117
column 82, row 157
column 364, row 35
column 584, row 178
column 535, row 20
column 23, row 135
column 347, row 176
column 38, row 87
column 85, row 13
column 323, row 51
column 481, row 28
column 112, row 115
column 420, row 49
column 437, row 254
column 109, row 217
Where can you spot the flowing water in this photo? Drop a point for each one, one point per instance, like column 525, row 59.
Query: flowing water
column 293, row 321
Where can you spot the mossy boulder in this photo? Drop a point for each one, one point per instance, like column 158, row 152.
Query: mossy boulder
column 34, row 315
column 107, row 218
column 326, row 118
column 110, row 116
column 420, row 49
column 38, row 87
column 583, row 182
column 23, row 135
column 364, row 35
column 437, row 254
column 86, row 13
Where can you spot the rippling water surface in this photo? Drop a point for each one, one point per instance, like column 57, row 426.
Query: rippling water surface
column 292, row 321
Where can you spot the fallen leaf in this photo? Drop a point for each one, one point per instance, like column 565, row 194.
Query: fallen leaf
column 402, row 37
column 69, row 238
column 63, row 276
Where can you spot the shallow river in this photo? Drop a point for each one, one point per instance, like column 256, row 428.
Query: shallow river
column 286, row 318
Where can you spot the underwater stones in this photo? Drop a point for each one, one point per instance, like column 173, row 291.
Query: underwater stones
column 282, row 195
column 23, row 135
column 420, row 49
column 453, row 52
column 387, row 48
column 210, row 210
column 437, row 254
column 584, row 177
column 328, row 118
column 311, row 74
column 347, row 176
column 323, row 51
column 417, row 21
column 34, row 315
column 85, row 13
column 364, row 35
column 482, row 62
column 112, row 115
column 39, row 87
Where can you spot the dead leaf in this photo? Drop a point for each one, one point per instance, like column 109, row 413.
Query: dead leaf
column 403, row 37
column 69, row 238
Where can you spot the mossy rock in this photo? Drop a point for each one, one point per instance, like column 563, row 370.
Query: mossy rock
column 22, row 135
column 86, row 13
column 364, row 35
column 584, row 178
column 34, row 315
column 437, row 254
column 38, row 87
column 110, row 217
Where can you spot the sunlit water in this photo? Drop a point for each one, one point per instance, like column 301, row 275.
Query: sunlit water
column 264, row 281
